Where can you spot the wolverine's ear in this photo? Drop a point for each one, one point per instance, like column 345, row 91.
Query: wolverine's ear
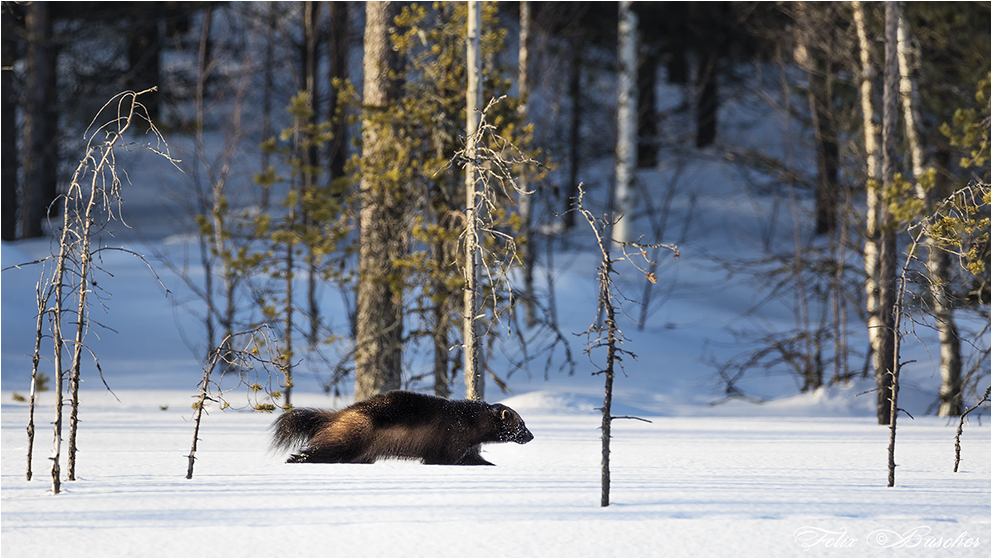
column 505, row 415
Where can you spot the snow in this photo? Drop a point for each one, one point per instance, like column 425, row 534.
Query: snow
column 681, row 486
column 798, row 475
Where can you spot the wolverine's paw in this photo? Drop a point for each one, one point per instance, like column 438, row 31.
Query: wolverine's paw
column 297, row 458
column 473, row 459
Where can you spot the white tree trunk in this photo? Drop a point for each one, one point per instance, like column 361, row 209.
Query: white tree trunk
column 475, row 381
column 907, row 94
column 868, row 112
column 879, row 245
column 873, row 183
column 626, row 153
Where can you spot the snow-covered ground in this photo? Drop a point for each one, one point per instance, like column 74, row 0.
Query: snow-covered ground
column 681, row 486
column 799, row 475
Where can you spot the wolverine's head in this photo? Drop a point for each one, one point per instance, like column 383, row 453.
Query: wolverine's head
column 511, row 425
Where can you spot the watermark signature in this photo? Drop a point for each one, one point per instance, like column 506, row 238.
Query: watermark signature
column 809, row 537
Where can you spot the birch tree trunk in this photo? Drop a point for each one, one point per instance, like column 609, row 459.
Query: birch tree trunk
column 379, row 310
column 868, row 73
column 879, row 238
column 626, row 154
column 937, row 261
column 872, row 182
column 475, row 380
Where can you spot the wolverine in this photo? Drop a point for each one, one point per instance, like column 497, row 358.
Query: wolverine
column 399, row 424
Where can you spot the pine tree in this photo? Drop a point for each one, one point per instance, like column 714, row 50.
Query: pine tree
column 378, row 344
column 427, row 127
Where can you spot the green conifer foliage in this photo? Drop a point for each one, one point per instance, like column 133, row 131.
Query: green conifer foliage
column 311, row 225
column 961, row 223
column 426, row 128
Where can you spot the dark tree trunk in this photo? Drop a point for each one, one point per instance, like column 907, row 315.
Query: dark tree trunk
column 575, row 126
column 144, row 47
column 707, row 100
column 308, row 55
column 827, row 154
column 884, row 357
column 311, row 15
column 337, row 50
column 37, row 150
column 647, row 114
column 379, row 313
column 270, row 40
column 678, row 69
column 50, row 170
column 950, row 342
column 8, row 221
column 820, row 42
column 442, row 325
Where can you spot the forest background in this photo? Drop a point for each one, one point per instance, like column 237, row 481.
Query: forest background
column 284, row 195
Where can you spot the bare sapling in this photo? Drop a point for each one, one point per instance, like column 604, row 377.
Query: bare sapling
column 607, row 333
column 87, row 210
column 955, row 226
column 957, row 436
column 898, row 312
column 42, row 294
column 91, row 201
column 244, row 364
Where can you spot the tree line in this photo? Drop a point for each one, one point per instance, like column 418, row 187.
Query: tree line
column 356, row 185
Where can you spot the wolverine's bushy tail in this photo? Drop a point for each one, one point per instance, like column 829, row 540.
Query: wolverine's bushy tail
column 294, row 428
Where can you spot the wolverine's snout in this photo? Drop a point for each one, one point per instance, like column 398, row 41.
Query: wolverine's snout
column 523, row 436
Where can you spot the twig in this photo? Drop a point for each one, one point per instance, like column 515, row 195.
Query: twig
column 630, row 417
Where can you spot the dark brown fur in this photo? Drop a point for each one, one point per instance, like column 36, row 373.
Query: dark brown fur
column 399, row 424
